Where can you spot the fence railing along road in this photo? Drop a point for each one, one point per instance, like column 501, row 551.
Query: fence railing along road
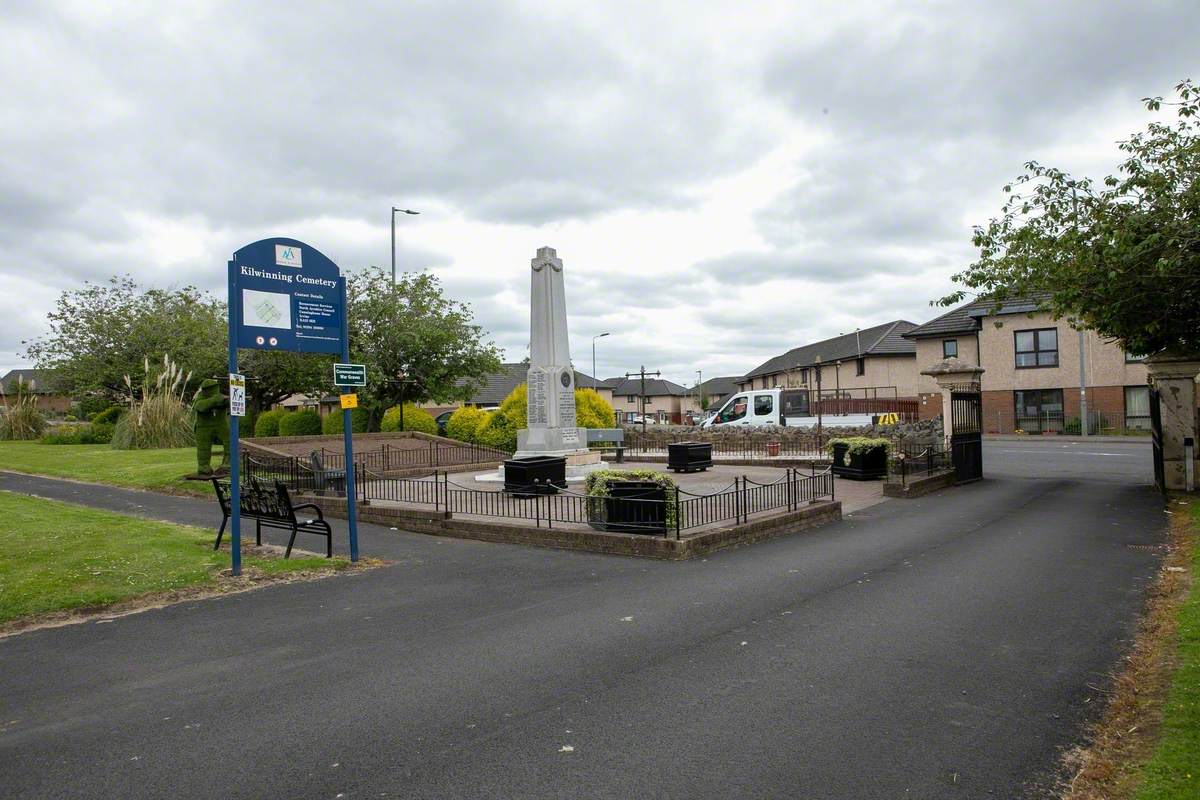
column 679, row 511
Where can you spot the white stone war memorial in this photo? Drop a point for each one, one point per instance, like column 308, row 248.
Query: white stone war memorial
column 550, row 409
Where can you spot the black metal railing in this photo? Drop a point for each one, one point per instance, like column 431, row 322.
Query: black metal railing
column 297, row 472
column 677, row 511
column 431, row 455
column 907, row 461
column 751, row 444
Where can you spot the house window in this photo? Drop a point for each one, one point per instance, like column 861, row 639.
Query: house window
column 1039, row 410
column 1137, row 408
column 804, row 375
column 950, row 348
column 774, row 379
column 631, row 398
column 1036, row 348
column 860, row 366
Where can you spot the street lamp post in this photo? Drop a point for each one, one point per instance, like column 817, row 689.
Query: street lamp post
column 594, row 338
column 402, row 211
column 699, row 390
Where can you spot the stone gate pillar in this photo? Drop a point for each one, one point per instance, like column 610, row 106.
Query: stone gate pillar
column 1174, row 376
column 953, row 374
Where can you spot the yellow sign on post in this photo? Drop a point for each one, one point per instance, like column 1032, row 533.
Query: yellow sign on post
column 349, row 401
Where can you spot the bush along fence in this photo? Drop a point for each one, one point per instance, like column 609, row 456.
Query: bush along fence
column 643, row 507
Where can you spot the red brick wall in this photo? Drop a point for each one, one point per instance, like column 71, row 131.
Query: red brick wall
column 930, row 405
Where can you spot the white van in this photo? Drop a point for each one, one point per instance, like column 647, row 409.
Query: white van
column 789, row 407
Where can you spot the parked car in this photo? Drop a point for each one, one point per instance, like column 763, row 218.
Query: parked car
column 441, row 420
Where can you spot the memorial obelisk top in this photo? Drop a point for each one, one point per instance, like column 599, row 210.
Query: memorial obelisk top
column 548, row 343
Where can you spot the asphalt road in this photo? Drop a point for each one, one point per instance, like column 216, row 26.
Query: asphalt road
column 941, row 647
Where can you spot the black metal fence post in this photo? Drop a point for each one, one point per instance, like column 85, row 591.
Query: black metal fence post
column 678, row 513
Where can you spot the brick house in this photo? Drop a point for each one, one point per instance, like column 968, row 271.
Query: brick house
column 664, row 402
column 878, row 361
column 38, row 382
column 1032, row 364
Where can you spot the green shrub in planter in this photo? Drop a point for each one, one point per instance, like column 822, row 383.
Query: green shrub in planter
column 859, row 457
column 305, row 422
column 415, row 419
column 267, row 423
column 360, row 420
column 597, row 485
column 857, row 445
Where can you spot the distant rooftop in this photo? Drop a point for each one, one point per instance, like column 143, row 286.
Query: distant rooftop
column 881, row 340
column 966, row 318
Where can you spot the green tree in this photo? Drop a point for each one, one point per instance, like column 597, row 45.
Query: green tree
column 102, row 332
column 417, row 344
column 1120, row 256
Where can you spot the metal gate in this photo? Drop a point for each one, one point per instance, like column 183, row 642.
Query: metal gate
column 1160, row 482
column 966, row 439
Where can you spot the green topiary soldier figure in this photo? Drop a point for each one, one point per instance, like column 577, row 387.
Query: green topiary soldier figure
column 212, row 425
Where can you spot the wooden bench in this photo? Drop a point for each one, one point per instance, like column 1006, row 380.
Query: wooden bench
column 271, row 508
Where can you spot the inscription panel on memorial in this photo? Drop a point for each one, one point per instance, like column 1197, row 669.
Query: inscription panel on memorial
column 565, row 386
column 539, row 396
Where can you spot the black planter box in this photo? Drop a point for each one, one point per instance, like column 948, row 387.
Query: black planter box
column 866, row 466
column 631, row 507
column 689, row 456
column 526, row 477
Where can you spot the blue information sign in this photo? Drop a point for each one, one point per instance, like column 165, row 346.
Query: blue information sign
column 288, row 296
column 285, row 295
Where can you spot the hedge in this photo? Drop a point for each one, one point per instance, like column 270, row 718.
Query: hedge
column 360, row 420
column 95, row 433
column 415, row 419
column 267, row 423
column 108, row 416
column 305, row 422
column 464, row 423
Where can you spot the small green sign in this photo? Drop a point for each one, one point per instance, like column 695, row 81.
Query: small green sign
column 349, row 374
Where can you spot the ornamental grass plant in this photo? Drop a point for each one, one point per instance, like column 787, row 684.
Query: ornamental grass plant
column 21, row 419
column 160, row 417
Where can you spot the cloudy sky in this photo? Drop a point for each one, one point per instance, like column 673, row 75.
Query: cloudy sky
column 723, row 181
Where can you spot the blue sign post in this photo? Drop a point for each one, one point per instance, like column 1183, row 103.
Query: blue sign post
column 285, row 295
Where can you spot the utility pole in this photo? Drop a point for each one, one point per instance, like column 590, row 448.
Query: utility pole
column 818, row 404
column 700, row 390
column 1083, row 408
column 642, row 373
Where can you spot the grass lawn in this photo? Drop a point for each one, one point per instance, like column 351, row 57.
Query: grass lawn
column 1174, row 769
column 157, row 470
column 56, row 556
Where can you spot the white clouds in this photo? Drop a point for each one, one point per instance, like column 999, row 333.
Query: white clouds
column 721, row 181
